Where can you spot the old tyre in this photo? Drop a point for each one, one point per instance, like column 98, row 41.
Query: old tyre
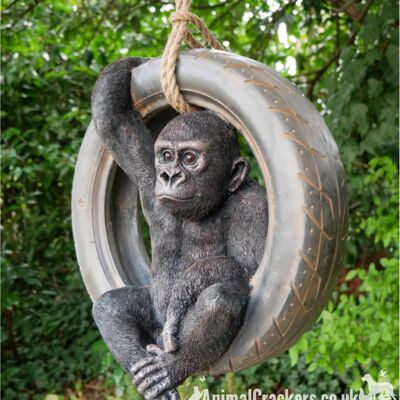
column 306, row 192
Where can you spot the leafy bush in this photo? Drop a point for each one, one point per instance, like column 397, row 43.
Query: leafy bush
column 346, row 57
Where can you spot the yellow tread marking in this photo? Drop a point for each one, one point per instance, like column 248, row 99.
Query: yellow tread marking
column 317, row 259
column 289, row 106
column 265, row 353
column 297, row 295
column 295, row 139
column 239, row 65
column 293, row 319
column 259, row 83
column 319, row 285
column 338, row 236
column 308, row 261
column 278, row 328
column 288, row 113
column 316, row 223
column 343, row 233
column 319, row 224
column 321, row 191
column 287, row 345
column 201, row 54
column 313, row 267
column 318, row 174
column 338, row 192
column 317, row 292
column 267, row 86
column 277, row 85
column 257, row 346
column 308, row 180
column 333, row 264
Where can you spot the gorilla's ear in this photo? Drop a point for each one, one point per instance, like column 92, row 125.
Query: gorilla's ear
column 240, row 168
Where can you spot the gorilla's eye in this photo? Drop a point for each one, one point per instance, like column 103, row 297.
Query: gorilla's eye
column 189, row 158
column 167, row 156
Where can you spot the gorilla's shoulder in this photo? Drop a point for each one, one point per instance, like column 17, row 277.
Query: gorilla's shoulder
column 248, row 203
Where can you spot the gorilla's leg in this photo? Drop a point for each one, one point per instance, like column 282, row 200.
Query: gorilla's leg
column 208, row 328
column 211, row 325
column 127, row 323
column 188, row 287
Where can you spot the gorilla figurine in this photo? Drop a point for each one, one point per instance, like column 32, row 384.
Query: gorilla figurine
column 208, row 229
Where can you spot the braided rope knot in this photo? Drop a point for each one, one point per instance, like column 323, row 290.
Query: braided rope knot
column 180, row 16
column 180, row 20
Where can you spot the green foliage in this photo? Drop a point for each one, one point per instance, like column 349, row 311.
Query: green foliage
column 382, row 223
column 52, row 51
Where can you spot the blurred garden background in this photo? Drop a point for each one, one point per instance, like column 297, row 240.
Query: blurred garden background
column 343, row 54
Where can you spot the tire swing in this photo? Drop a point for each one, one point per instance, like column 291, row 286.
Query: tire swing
column 305, row 188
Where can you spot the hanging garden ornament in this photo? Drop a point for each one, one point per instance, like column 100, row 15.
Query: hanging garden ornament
column 238, row 272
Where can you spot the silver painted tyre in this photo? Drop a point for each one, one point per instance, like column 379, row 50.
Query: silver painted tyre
column 306, row 192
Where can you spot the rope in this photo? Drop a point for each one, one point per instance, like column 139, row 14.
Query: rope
column 180, row 20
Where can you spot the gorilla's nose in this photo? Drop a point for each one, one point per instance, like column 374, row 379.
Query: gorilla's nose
column 173, row 177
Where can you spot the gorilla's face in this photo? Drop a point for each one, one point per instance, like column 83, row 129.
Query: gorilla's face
column 192, row 179
column 197, row 164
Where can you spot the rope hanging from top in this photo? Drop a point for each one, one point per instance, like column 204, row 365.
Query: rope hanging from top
column 180, row 20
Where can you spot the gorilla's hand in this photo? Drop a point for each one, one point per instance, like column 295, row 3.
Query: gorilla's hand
column 152, row 375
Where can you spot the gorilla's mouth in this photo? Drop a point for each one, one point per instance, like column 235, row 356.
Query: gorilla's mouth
column 173, row 198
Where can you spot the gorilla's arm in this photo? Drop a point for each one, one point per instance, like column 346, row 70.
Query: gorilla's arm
column 248, row 223
column 121, row 128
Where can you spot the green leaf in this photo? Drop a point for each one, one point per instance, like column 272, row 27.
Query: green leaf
column 392, row 56
column 351, row 275
column 375, row 87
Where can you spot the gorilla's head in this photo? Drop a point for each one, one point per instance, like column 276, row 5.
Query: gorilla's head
column 198, row 164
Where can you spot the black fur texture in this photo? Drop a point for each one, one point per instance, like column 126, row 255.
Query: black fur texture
column 208, row 229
